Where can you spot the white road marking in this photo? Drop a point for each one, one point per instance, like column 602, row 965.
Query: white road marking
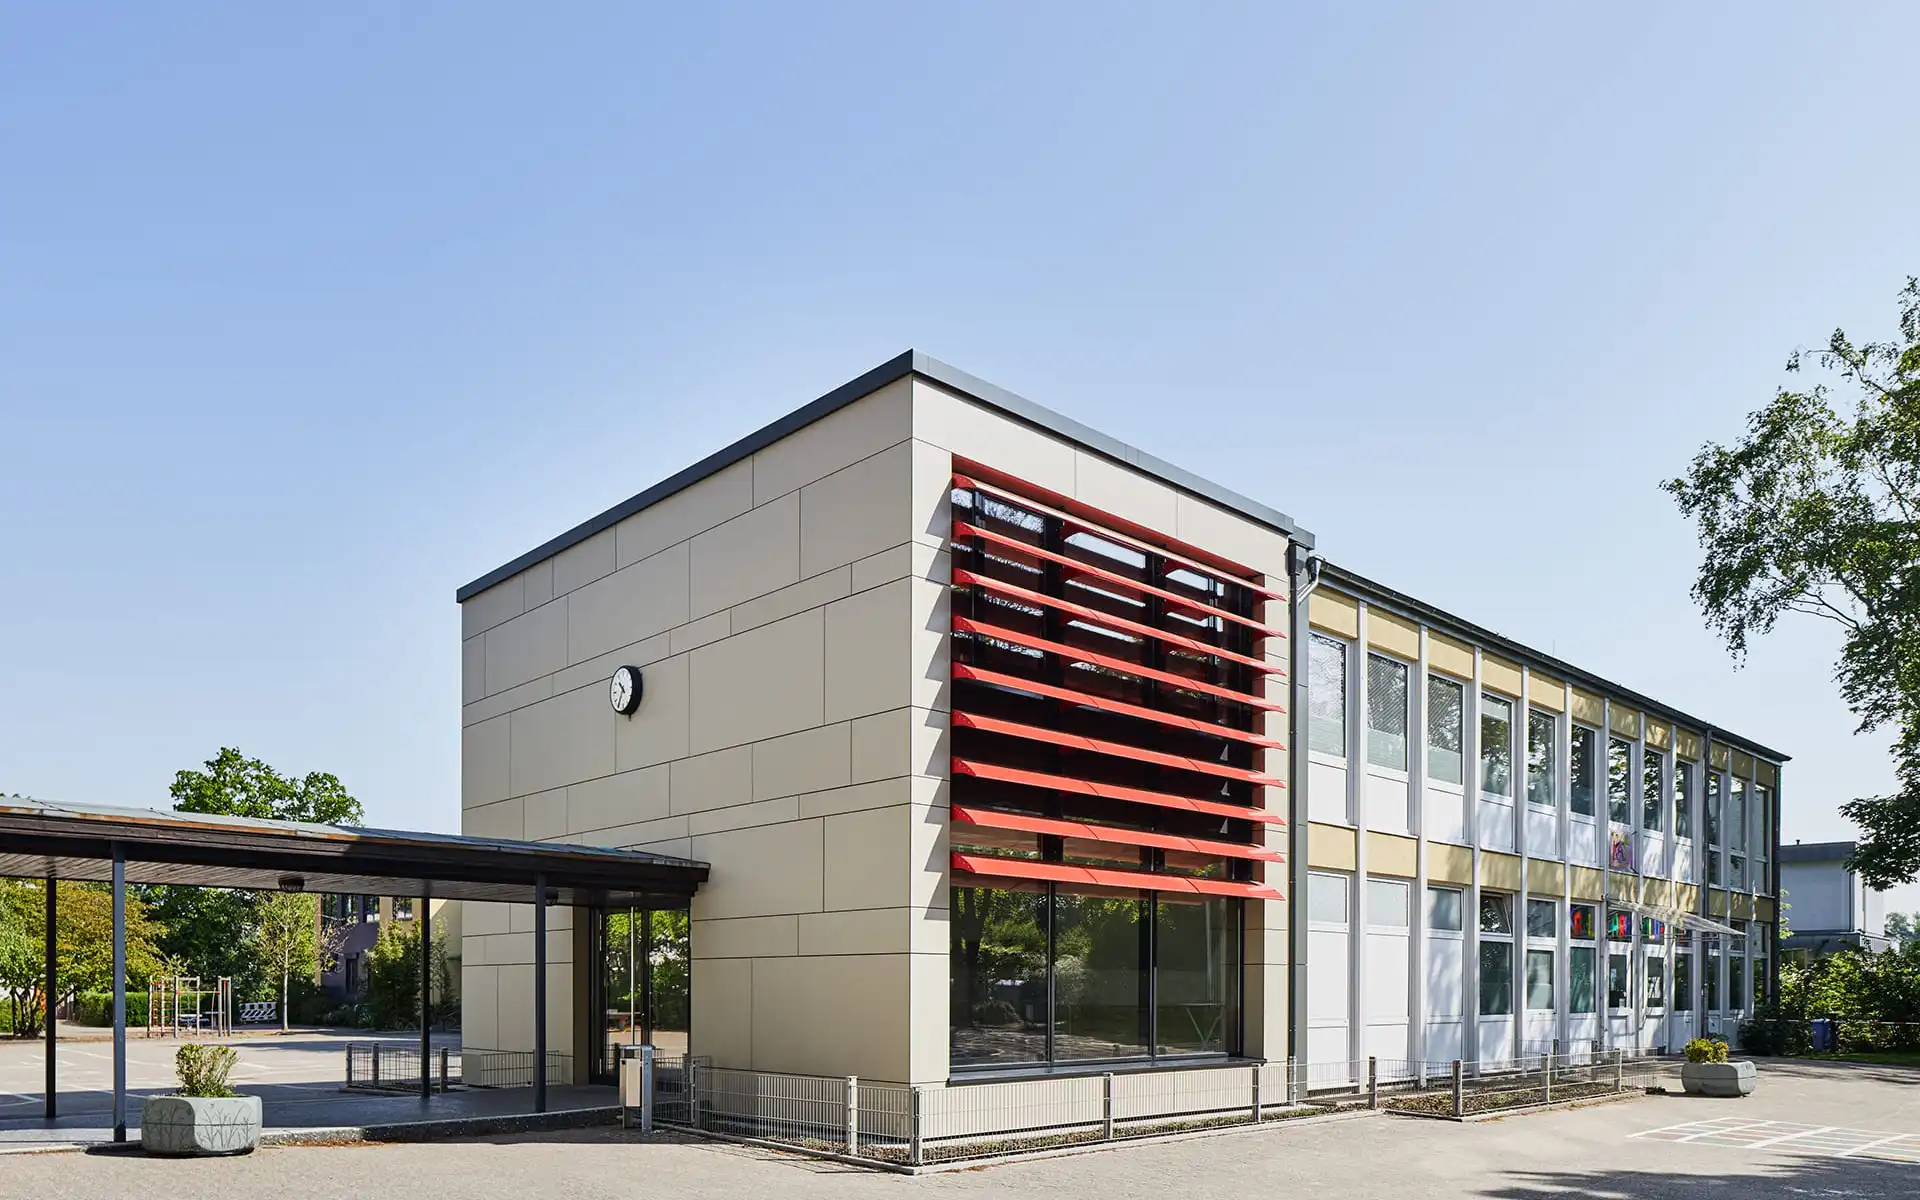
column 1870, row 1145
column 1825, row 1141
column 1787, row 1137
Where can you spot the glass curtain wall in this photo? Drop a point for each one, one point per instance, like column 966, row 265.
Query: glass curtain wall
column 642, row 983
column 1046, row 975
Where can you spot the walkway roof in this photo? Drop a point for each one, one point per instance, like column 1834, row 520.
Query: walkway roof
column 41, row 838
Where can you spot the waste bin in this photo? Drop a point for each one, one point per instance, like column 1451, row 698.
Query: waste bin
column 1822, row 1034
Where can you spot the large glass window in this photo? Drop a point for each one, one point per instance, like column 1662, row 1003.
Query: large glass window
column 1540, row 980
column 998, row 971
column 1656, row 982
column 1682, row 980
column 1327, row 696
column 1387, row 903
column 1386, row 712
column 1197, row 989
column 1653, row 791
column 1443, row 910
column 1446, row 728
column 1327, row 899
column 1496, row 979
column 1711, row 810
column 1682, row 798
column 1581, row 768
column 1580, row 922
column 1737, row 815
column 1100, row 976
column 1543, row 919
column 1619, row 991
column 1540, row 756
column 1619, row 781
column 1496, row 745
column 1580, row 997
column 1496, row 913
column 1710, row 972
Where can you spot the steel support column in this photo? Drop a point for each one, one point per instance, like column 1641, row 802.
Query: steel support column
column 1299, row 633
column 52, row 990
column 540, row 994
column 119, row 993
column 426, row 988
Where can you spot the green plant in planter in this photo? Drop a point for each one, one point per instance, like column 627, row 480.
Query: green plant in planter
column 1706, row 1050
column 203, row 1070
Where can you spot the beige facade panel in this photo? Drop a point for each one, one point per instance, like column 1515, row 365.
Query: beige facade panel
column 764, row 683
column 1687, row 745
column 1500, row 871
column 1719, row 757
column 1585, row 883
column 1686, row 897
column 1589, row 709
column 1391, row 854
column 1545, row 877
column 1393, row 634
column 713, row 501
column 1659, row 734
column 1333, row 613
column 525, row 648
column 582, row 563
column 1112, row 488
column 852, row 434
column 755, row 553
column 977, row 433
column 1449, row 864
column 1624, row 721
column 1767, row 774
column 1497, row 674
column 1742, row 907
column 1716, row 903
column 1763, row 910
column 1544, row 691
column 633, row 603
column 568, row 739
column 1743, row 764
column 1229, row 536
column 857, row 512
column 1330, row 847
column 1448, row 656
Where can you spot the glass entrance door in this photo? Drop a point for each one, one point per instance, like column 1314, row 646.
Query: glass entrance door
column 641, row 984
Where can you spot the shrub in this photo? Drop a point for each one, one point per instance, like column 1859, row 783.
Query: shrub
column 203, row 1070
column 1706, row 1050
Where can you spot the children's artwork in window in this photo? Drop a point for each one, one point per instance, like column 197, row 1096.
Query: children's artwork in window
column 1622, row 856
column 1580, row 926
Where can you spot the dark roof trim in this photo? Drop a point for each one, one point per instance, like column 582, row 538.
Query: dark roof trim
column 1816, row 852
column 911, row 362
column 1386, row 597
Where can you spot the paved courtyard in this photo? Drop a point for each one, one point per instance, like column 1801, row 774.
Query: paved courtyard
column 1593, row 1153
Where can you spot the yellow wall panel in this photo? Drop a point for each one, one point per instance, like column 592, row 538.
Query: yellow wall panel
column 1719, row 757
column 1330, row 847
column 1545, row 877
column 1763, row 910
column 1392, row 634
column 1445, row 654
column 1588, row 708
column 1334, row 613
column 1659, row 734
column 1544, row 691
column 1449, row 864
column 1769, row 775
column 1391, row 854
column 1687, row 745
column 1500, row 675
column 1742, row 907
column 1500, row 871
column 1626, row 721
column 1586, row 883
column 1687, row 898
column 1716, row 903
column 1743, row 764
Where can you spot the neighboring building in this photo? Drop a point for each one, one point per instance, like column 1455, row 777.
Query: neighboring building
column 1828, row 906
column 364, row 917
column 982, row 720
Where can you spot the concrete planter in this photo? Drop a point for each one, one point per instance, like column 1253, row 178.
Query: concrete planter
column 200, row 1125
column 1719, row 1079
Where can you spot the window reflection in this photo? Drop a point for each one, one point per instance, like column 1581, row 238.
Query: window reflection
column 1100, row 976
column 998, row 972
column 1198, row 985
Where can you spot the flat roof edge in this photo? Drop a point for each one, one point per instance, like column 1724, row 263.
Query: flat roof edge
column 1371, row 591
column 910, row 362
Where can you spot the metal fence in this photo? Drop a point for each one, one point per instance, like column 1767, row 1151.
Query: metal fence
column 911, row 1126
column 511, row 1068
column 391, row 1067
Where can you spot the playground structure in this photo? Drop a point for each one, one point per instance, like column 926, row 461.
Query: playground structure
column 178, row 1004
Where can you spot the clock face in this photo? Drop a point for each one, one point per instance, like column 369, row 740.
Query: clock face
column 623, row 691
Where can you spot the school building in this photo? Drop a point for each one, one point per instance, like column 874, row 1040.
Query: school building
column 1014, row 750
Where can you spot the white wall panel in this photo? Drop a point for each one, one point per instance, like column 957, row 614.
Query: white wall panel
column 1388, row 803
column 1327, row 793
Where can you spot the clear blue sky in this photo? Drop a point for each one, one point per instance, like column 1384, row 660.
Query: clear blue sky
column 307, row 318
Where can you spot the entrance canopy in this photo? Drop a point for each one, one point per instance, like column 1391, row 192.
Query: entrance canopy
column 42, row 839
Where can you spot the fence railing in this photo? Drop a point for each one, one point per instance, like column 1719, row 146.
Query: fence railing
column 511, row 1068
column 901, row 1125
column 387, row 1066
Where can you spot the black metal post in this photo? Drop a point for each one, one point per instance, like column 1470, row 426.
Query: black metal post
column 53, row 990
column 119, row 993
column 540, row 993
column 426, row 989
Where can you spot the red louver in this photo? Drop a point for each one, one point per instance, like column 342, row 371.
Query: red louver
column 1026, row 868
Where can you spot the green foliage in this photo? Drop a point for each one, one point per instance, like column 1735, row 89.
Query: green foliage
column 96, row 1008
column 392, row 994
column 284, row 935
column 203, row 932
column 1816, row 511
column 1706, row 1050
column 1901, row 928
column 203, row 1070
column 83, row 940
column 246, row 787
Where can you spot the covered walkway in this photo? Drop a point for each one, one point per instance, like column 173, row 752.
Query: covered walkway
column 55, row 841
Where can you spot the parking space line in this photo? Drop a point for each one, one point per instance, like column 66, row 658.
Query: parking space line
column 1787, row 1137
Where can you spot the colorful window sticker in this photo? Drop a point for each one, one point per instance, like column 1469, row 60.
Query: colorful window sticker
column 1652, row 932
column 1622, row 857
column 1580, row 925
column 1619, row 926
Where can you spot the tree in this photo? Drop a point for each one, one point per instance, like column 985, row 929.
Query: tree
column 393, row 973
column 246, row 787
column 285, row 932
column 83, row 942
column 1899, row 928
column 1816, row 512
